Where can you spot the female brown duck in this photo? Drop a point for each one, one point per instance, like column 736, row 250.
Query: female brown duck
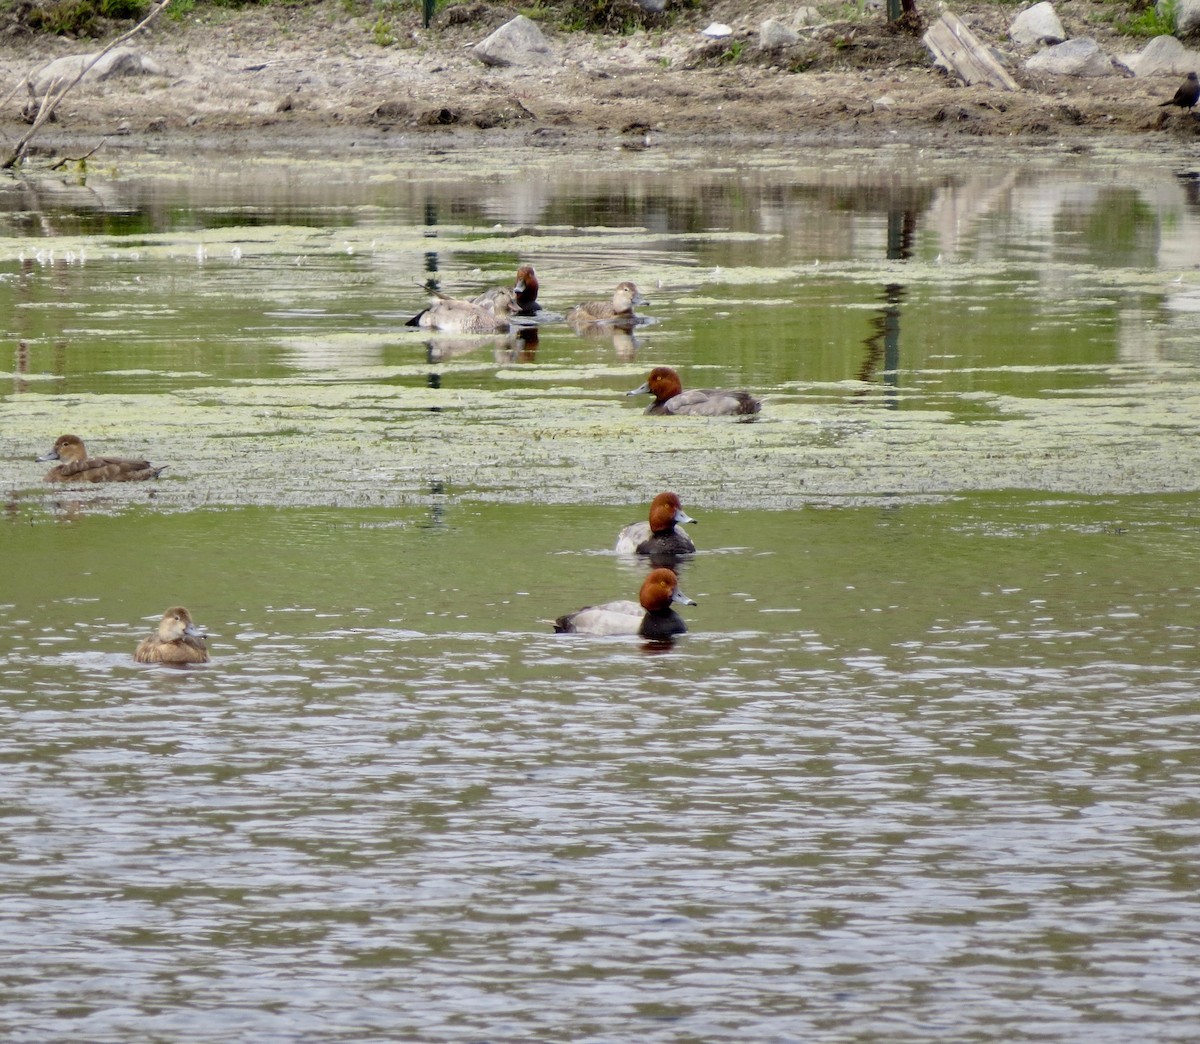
column 77, row 466
column 617, row 310
column 176, row 641
column 456, row 315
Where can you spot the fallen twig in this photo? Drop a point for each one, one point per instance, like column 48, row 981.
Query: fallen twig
column 78, row 159
column 50, row 102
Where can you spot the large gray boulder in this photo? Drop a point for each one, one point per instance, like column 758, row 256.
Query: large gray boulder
column 1081, row 57
column 120, row 61
column 1187, row 14
column 517, row 42
column 1162, row 56
column 1037, row 25
column 773, row 35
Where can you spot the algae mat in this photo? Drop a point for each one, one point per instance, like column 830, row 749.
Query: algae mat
column 248, row 331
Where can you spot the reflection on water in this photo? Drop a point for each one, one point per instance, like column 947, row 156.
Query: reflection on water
column 924, row 767
column 919, row 773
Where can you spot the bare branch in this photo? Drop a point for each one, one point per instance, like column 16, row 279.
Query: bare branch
column 78, row 159
column 50, row 101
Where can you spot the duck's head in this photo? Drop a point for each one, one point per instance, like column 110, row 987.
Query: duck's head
column 666, row 510
column 501, row 302
column 660, row 589
column 626, row 296
column 526, row 286
column 176, row 623
column 663, row 383
column 67, row 448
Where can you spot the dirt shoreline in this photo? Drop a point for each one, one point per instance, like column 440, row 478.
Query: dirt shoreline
column 316, row 77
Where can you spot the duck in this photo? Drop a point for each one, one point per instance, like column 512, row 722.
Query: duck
column 619, row 309
column 524, row 291
column 457, row 315
column 77, row 466
column 669, row 397
column 658, row 536
column 650, row 617
column 177, row 640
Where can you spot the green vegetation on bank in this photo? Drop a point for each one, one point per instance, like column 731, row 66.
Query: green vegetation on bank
column 98, row 17
column 386, row 21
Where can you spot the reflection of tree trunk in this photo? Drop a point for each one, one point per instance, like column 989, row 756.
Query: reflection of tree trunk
column 902, row 224
column 431, row 256
column 883, row 346
column 21, row 366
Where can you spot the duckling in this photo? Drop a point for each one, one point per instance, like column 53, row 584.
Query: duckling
column 77, row 466
column 177, row 640
column 619, row 309
column 658, row 536
column 650, row 617
column 669, row 397
column 455, row 315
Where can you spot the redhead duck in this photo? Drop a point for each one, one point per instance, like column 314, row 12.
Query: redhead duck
column 659, row 535
column 669, row 397
column 455, row 315
column 524, row 291
column 619, row 309
column 77, row 466
column 653, row 618
column 177, row 640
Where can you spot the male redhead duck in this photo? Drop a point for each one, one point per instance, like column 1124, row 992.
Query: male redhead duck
column 177, row 640
column 455, row 315
column 77, row 466
column 524, row 291
column 619, row 309
column 653, row 618
column 658, row 536
column 669, row 397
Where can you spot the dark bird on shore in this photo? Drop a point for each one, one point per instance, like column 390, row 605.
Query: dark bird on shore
column 1187, row 95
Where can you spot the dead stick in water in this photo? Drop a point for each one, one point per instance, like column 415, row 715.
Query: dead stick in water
column 50, row 104
column 79, row 159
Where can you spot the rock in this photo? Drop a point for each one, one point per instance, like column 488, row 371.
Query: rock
column 652, row 6
column 120, row 61
column 774, row 35
column 1081, row 57
column 1037, row 25
column 1187, row 14
column 517, row 42
column 717, row 30
column 1162, row 56
column 391, row 111
column 443, row 117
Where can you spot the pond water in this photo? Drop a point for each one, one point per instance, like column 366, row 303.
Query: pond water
column 926, row 766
